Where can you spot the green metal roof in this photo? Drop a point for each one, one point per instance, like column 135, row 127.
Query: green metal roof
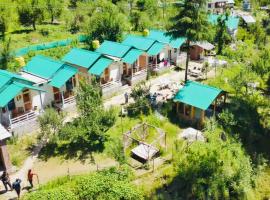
column 132, row 56
column 113, row 49
column 138, row 42
column 6, row 76
column 62, row 76
column 12, row 90
column 155, row 48
column 100, row 66
column 81, row 57
column 232, row 22
column 43, row 67
column 197, row 95
column 163, row 38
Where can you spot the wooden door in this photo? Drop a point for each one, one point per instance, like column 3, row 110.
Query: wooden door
column 57, row 95
column 142, row 62
column 27, row 100
column 107, row 75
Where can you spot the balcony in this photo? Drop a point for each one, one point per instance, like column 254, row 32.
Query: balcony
column 111, row 88
column 136, row 77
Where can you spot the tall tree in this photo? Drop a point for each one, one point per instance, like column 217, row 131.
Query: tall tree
column 222, row 36
column 190, row 22
column 5, row 17
column 30, row 11
column 55, row 8
column 5, row 53
column 106, row 22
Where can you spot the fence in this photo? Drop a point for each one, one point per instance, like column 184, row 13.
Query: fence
column 49, row 45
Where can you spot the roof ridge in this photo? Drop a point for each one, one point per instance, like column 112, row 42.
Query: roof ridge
column 48, row 58
column 204, row 85
column 85, row 50
column 117, row 43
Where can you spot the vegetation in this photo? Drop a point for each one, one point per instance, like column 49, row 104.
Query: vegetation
column 190, row 22
column 85, row 134
column 233, row 162
column 109, row 184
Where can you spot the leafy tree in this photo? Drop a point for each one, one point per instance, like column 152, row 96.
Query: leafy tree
column 222, row 36
column 140, row 93
column 217, row 169
column 116, row 150
column 190, row 22
column 30, row 11
column 54, row 8
column 50, row 123
column 139, row 20
column 149, row 6
column 106, row 23
column 87, row 133
column 6, row 17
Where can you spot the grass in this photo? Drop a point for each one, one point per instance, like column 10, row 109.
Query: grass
column 26, row 36
column 20, row 148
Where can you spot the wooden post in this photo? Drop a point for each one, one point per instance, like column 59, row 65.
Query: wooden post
column 192, row 112
column 215, row 105
column 9, row 116
column 62, row 96
column 202, row 116
column 177, row 107
column 184, row 109
column 41, row 104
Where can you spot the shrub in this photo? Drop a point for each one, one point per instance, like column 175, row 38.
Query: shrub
column 52, row 194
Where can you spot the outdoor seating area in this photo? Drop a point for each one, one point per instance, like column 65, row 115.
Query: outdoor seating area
column 147, row 140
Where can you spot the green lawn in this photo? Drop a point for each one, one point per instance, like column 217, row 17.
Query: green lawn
column 24, row 37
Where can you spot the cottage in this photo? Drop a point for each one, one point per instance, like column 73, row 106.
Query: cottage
column 195, row 101
column 231, row 23
column 199, row 50
column 58, row 79
column 151, row 47
column 82, row 60
column 132, row 63
column 171, row 52
column 17, row 101
column 219, row 6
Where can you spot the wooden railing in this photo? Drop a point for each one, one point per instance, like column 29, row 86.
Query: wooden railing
column 23, row 118
column 70, row 100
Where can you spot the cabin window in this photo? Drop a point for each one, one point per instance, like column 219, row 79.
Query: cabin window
column 175, row 50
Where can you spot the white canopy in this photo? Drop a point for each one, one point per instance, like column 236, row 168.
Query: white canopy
column 191, row 135
column 248, row 19
column 145, row 151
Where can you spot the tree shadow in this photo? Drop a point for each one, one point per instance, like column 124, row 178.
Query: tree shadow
column 76, row 151
column 22, row 31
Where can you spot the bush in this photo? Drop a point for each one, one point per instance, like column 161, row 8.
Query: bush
column 62, row 193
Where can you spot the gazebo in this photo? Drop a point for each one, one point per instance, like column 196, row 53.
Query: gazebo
column 195, row 100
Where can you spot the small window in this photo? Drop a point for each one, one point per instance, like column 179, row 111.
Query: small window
column 175, row 50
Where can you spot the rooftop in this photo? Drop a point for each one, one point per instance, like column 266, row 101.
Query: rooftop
column 114, row 49
column 138, row 42
column 232, row 22
column 43, row 67
column 11, row 85
column 81, row 57
column 197, row 95
column 161, row 36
